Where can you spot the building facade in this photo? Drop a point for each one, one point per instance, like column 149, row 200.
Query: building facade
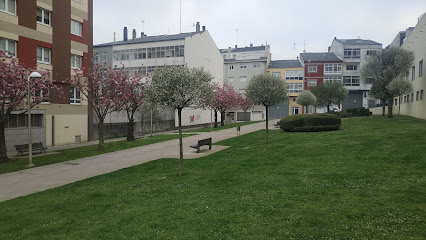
column 355, row 54
column 240, row 65
column 292, row 72
column 53, row 35
column 143, row 54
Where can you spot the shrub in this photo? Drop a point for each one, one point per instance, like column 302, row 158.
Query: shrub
column 341, row 114
column 310, row 122
column 358, row 112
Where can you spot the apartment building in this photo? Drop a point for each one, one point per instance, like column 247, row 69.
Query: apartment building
column 318, row 69
column 142, row 54
column 53, row 35
column 240, row 65
column 355, row 54
column 290, row 71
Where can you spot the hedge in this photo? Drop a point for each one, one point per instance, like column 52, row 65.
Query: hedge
column 310, row 122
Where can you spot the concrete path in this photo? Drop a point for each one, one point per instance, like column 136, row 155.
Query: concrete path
column 25, row 182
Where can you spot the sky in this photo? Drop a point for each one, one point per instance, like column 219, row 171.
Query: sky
column 289, row 27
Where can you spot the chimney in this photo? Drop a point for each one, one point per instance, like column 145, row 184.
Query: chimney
column 236, row 46
column 251, row 45
column 204, row 28
column 329, row 47
column 125, row 34
column 134, row 34
column 197, row 27
column 142, row 34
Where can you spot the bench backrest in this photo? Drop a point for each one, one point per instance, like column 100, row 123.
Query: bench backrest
column 204, row 141
column 38, row 145
column 21, row 147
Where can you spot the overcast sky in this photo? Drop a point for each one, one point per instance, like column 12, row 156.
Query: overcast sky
column 280, row 23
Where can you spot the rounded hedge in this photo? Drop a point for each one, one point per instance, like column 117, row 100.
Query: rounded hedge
column 310, row 122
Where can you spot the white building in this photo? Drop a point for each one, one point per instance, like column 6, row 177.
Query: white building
column 142, row 55
column 355, row 53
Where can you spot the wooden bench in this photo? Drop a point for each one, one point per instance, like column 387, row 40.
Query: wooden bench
column 21, row 148
column 202, row 142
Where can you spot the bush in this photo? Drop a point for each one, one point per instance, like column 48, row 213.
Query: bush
column 358, row 112
column 340, row 114
column 310, row 122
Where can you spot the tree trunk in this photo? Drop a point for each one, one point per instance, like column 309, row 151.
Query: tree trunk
column 383, row 107
column 180, row 143
column 328, row 107
column 222, row 118
column 101, row 134
column 215, row 119
column 130, row 136
column 390, row 107
column 266, row 140
column 3, row 152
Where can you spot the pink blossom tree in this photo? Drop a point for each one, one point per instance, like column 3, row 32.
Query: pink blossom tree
column 100, row 88
column 130, row 98
column 14, row 93
column 225, row 98
column 244, row 103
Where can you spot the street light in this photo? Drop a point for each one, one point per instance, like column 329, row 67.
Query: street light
column 30, row 143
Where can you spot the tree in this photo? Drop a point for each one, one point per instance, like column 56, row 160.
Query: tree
column 245, row 103
column 330, row 93
column 399, row 87
column 224, row 99
column 14, row 93
column 179, row 87
column 382, row 68
column 130, row 98
column 101, row 86
column 267, row 90
column 306, row 98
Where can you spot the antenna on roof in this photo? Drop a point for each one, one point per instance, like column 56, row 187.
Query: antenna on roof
column 114, row 37
column 304, row 46
column 180, row 17
column 237, row 35
column 294, row 50
column 143, row 25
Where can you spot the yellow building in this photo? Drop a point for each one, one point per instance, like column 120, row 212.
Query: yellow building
column 291, row 71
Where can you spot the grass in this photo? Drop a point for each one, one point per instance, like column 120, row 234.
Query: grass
column 18, row 164
column 227, row 126
column 366, row 181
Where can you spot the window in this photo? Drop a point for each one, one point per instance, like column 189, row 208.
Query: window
column 231, row 67
column 161, row 52
column 417, row 95
column 243, row 66
column 332, row 79
column 74, row 96
column 43, row 16
column 21, row 121
column 294, row 74
column 407, row 75
column 243, row 79
column 277, row 74
column 422, row 94
column 412, row 97
column 351, row 80
column 405, row 99
column 43, row 55
column 352, row 53
column 333, row 68
column 100, row 57
column 256, row 65
column 312, row 82
column 231, row 79
column 170, row 51
column 76, row 61
column 76, row 28
column 413, row 73
column 312, row 69
column 8, row 6
column 294, row 87
column 351, row 67
column 396, row 101
column 421, row 68
column 41, row 95
column 371, row 52
column 9, row 46
column 78, row 1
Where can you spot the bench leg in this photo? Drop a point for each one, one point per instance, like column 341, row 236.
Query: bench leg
column 210, row 146
column 198, row 149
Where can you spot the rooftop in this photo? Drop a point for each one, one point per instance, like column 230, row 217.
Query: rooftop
column 357, row 42
column 261, row 59
column 146, row 39
column 244, row 49
column 285, row 64
column 320, row 57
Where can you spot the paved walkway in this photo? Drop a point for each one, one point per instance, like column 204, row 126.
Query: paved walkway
column 38, row 179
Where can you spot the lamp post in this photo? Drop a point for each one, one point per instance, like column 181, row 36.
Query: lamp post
column 30, row 144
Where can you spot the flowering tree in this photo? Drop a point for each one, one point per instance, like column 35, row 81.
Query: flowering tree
column 267, row 90
column 399, row 87
column 130, row 98
column 179, row 87
column 224, row 99
column 101, row 86
column 306, row 98
column 244, row 103
column 14, row 93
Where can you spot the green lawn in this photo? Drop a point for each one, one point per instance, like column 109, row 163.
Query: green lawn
column 227, row 126
column 366, row 181
column 18, row 164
